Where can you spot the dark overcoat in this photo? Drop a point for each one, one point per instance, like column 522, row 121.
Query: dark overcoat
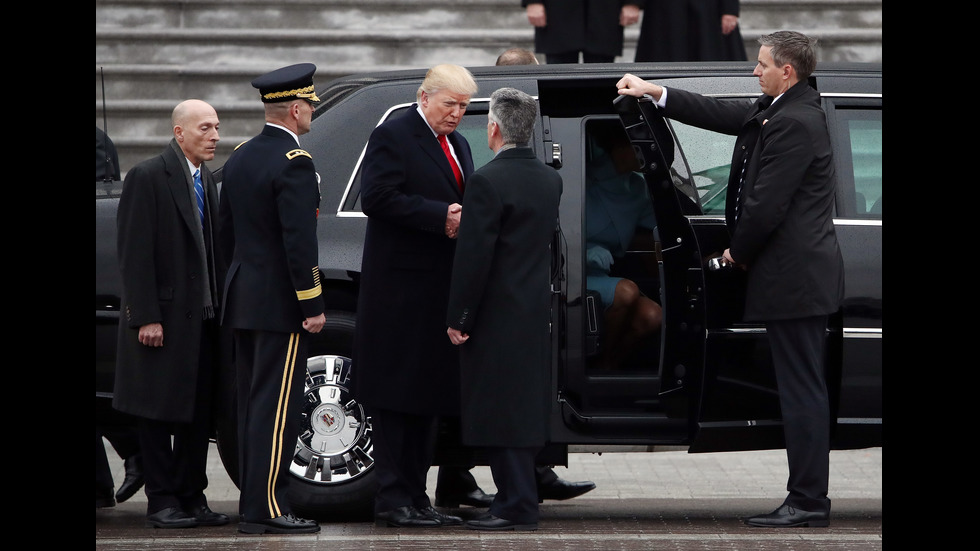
column 403, row 360
column 500, row 296
column 688, row 30
column 273, row 280
column 580, row 26
column 784, row 231
column 160, row 261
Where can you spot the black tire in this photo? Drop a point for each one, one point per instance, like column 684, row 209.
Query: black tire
column 332, row 477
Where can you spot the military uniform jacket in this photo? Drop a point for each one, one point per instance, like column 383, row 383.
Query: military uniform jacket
column 501, row 296
column 269, row 201
column 581, row 26
column 784, row 228
column 403, row 360
column 160, row 260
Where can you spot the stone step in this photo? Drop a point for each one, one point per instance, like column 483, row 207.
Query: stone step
column 434, row 14
column 239, row 47
column 409, row 48
column 150, row 54
column 310, row 14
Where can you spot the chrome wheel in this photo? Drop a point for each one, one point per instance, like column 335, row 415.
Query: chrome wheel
column 335, row 443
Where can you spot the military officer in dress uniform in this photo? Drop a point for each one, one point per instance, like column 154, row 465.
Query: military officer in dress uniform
column 268, row 213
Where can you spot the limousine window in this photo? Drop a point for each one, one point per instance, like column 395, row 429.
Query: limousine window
column 858, row 132
column 708, row 155
column 855, row 129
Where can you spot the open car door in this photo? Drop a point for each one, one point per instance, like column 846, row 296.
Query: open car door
column 682, row 359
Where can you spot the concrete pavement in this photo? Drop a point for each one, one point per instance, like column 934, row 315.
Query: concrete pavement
column 659, row 500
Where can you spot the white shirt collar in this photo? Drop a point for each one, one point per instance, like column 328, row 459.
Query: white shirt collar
column 452, row 150
column 191, row 166
column 418, row 108
column 291, row 133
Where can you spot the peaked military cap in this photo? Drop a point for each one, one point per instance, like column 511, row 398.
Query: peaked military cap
column 287, row 84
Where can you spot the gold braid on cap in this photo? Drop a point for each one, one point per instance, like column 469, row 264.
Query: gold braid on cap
column 308, row 92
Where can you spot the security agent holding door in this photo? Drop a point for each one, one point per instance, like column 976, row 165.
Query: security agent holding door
column 779, row 213
column 269, row 201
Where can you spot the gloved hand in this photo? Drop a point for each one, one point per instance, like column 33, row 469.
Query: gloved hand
column 599, row 258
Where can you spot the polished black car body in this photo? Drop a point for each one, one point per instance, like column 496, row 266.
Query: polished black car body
column 705, row 382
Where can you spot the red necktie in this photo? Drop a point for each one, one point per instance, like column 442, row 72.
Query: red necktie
column 452, row 162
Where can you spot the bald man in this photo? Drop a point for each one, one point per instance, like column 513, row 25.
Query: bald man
column 168, row 330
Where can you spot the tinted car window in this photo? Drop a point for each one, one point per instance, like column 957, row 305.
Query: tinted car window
column 708, row 156
column 858, row 130
column 859, row 133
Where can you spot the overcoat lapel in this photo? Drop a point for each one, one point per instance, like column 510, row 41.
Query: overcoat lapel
column 430, row 145
column 178, row 176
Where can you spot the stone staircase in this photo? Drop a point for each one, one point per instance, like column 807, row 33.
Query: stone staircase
column 150, row 54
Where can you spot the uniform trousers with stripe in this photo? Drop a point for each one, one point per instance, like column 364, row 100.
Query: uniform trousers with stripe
column 271, row 371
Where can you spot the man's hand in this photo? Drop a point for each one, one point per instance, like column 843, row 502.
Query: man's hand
column 151, row 334
column 631, row 85
column 727, row 255
column 536, row 15
column 314, row 324
column 457, row 336
column 628, row 15
column 728, row 23
column 452, row 220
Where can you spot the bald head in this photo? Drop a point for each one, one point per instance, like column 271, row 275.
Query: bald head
column 192, row 108
column 517, row 56
column 195, row 125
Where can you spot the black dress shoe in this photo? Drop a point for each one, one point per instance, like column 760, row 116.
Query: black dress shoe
column 444, row 519
column 206, row 517
column 134, row 478
column 491, row 522
column 408, row 517
column 476, row 498
column 787, row 516
column 103, row 498
column 563, row 489
column 283, row 524
column 171, row 517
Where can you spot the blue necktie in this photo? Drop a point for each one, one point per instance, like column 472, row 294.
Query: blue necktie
column 199, row 192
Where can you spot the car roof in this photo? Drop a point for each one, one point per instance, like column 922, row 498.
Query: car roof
column 337, row 90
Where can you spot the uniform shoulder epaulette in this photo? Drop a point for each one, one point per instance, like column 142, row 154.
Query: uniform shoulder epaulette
column 241, row 144
column 297, row 153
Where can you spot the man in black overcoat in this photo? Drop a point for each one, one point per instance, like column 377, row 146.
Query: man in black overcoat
column 404, row 369
column 565, row 28
column 779, row 213
column 167, row 331
column 273, row 300
column 499, row 302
